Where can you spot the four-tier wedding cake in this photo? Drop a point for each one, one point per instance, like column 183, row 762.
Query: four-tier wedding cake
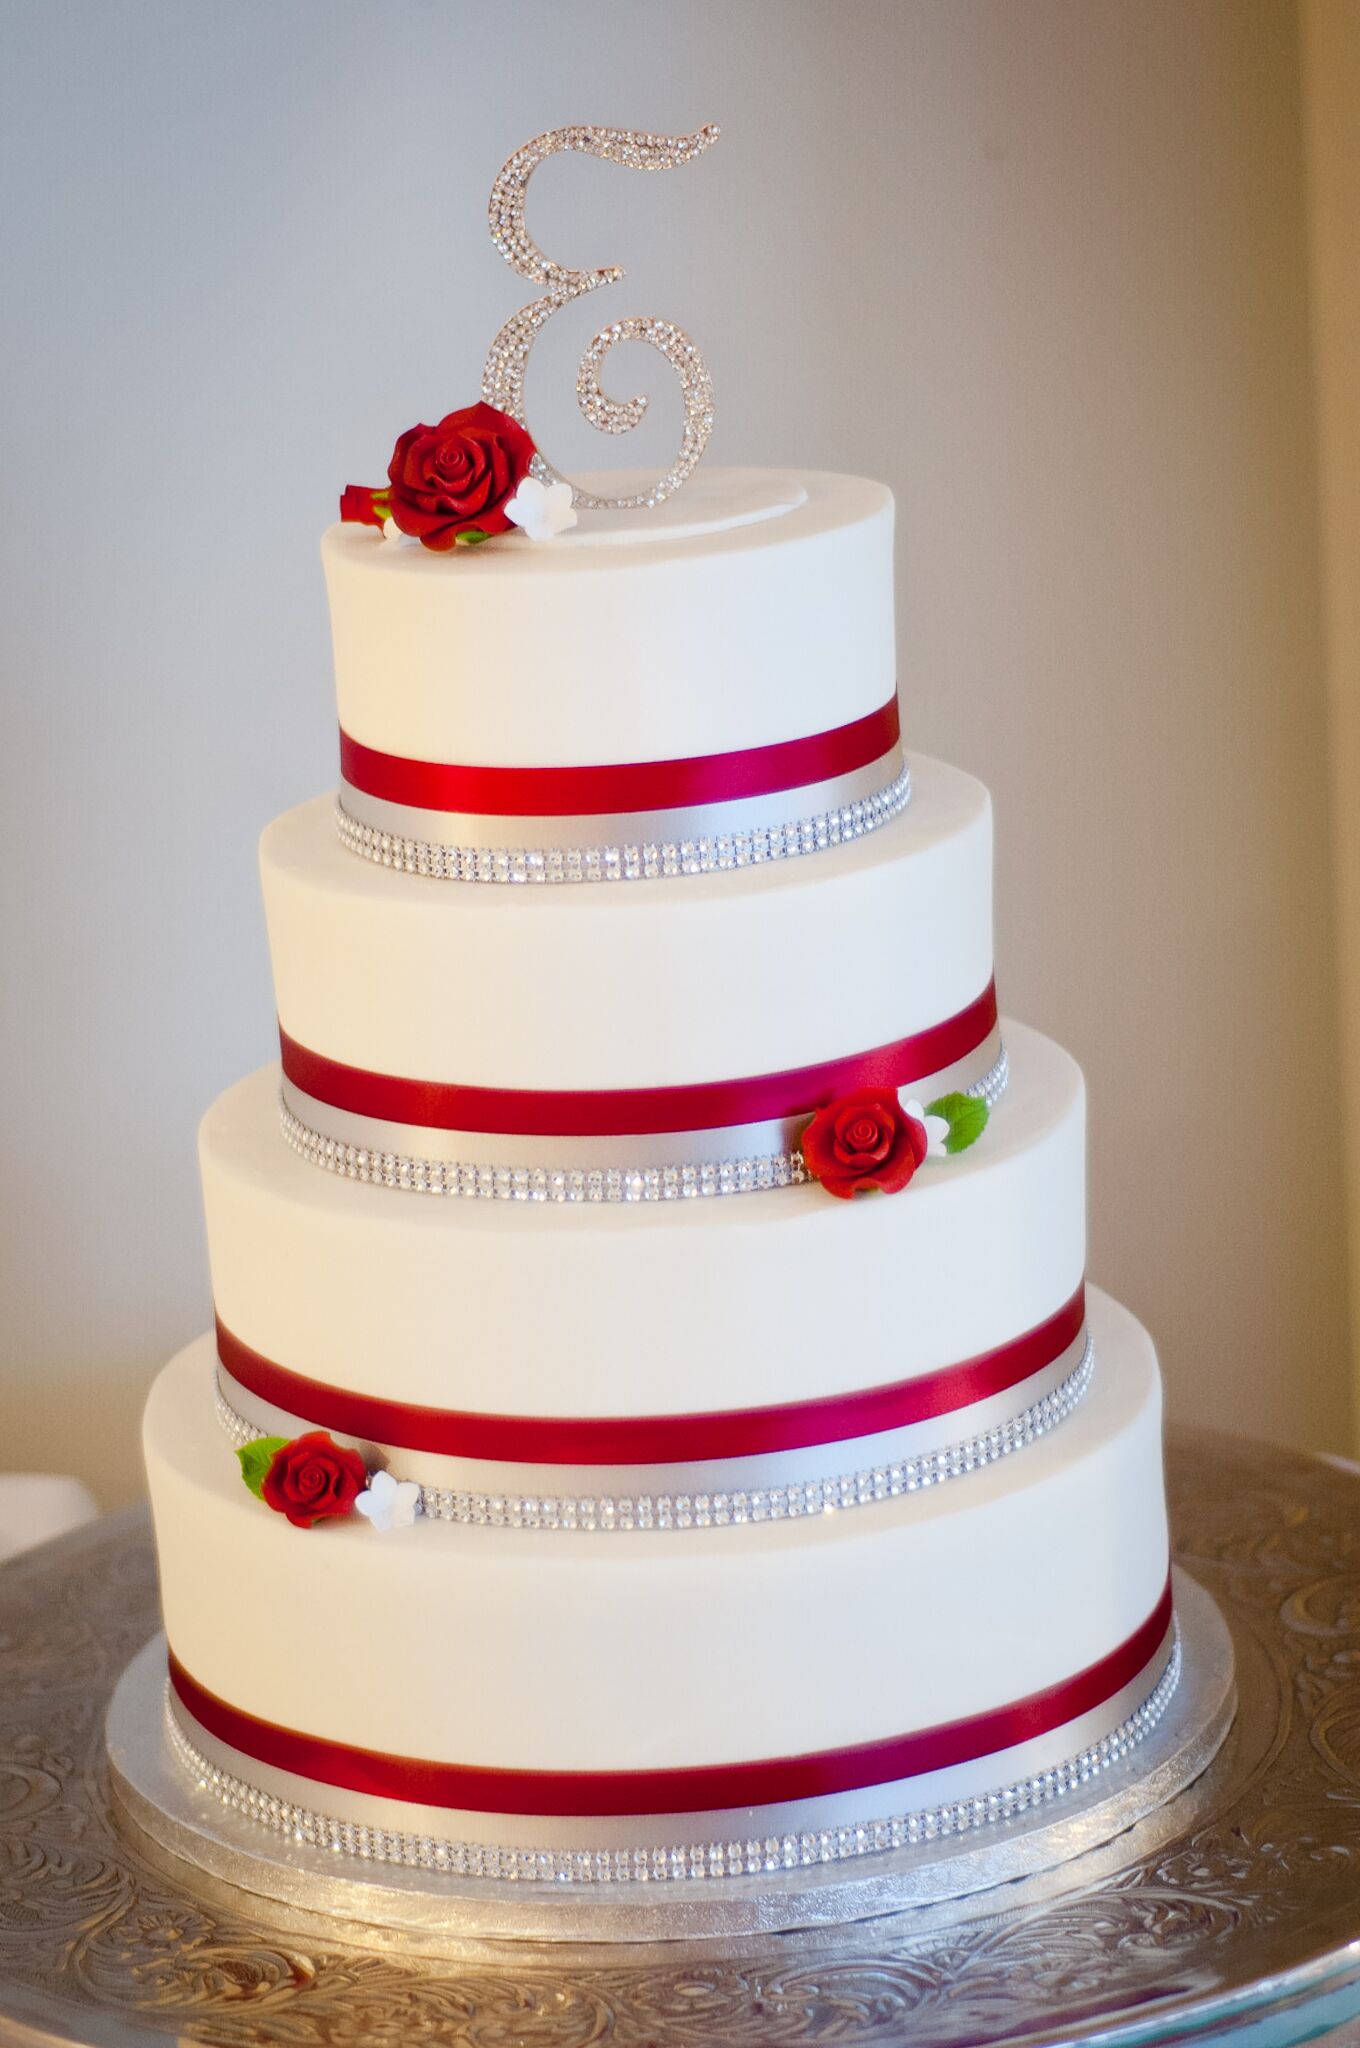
column 657, row 1425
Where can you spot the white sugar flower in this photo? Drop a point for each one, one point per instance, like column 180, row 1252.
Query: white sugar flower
column 391, row 531
column 541, row 510
column 936, row 1128
column 389, row 1503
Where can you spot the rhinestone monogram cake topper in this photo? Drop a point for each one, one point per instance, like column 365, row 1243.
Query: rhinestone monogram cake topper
column 507, row 360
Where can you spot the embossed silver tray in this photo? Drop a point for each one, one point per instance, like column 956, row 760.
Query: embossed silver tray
column 1244, row 1919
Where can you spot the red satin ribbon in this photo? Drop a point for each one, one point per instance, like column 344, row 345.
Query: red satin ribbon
column 654, row 1439
column 631, row 1112
column 692, row 1788
column 621, row 785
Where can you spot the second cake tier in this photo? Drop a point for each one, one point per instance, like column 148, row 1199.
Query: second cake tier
column 712, row 979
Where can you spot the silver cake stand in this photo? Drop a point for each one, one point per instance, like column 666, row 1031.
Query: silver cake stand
column 1233, row 1909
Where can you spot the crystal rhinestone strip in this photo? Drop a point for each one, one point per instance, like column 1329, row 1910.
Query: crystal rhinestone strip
column 635, row 148
column 571, row 1184
column 642, row 861
column 753, row 1857
column 723, row 1510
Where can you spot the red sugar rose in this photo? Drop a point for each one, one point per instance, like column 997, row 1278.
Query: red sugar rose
column 364, row 507
column 458, row 476
column 865, row 1140
column 313, row 1478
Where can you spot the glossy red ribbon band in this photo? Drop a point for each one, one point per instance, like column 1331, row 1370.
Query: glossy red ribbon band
column 621, row 785
column 654, row 1439
column 690, row 1789
column 631, row 1112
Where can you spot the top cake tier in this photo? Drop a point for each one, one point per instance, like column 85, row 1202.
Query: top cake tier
column 755, row 611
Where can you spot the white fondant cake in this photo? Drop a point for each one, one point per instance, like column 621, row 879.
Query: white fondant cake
column 594, row 1652
column 563, row 1518
column 780, row 1295
column 606, row 987
column 756, row 608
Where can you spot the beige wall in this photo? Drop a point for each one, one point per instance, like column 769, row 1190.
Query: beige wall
column 1042, row 266
column 1331, row 74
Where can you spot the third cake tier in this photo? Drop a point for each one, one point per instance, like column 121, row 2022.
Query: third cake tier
column 582, row 1352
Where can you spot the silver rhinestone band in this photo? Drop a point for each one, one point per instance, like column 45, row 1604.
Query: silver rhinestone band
column 992, row 1086
column 571, row 1184
column 652, row 1865
column 754, row 1504
column 644, row 861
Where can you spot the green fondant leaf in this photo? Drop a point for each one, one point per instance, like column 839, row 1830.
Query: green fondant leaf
column 256, row 1458
column 473, row 537
column 966, row 1117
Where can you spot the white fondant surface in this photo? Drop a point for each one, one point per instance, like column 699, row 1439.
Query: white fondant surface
column 526, row 1650
column 983, row 1775
column 758, row 609
column 540, row 1309
column 640, row 984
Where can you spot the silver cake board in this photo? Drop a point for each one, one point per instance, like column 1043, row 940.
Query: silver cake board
column 1051, row 1848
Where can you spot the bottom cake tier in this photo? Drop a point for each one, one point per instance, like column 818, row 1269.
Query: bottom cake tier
column 691, row 1702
